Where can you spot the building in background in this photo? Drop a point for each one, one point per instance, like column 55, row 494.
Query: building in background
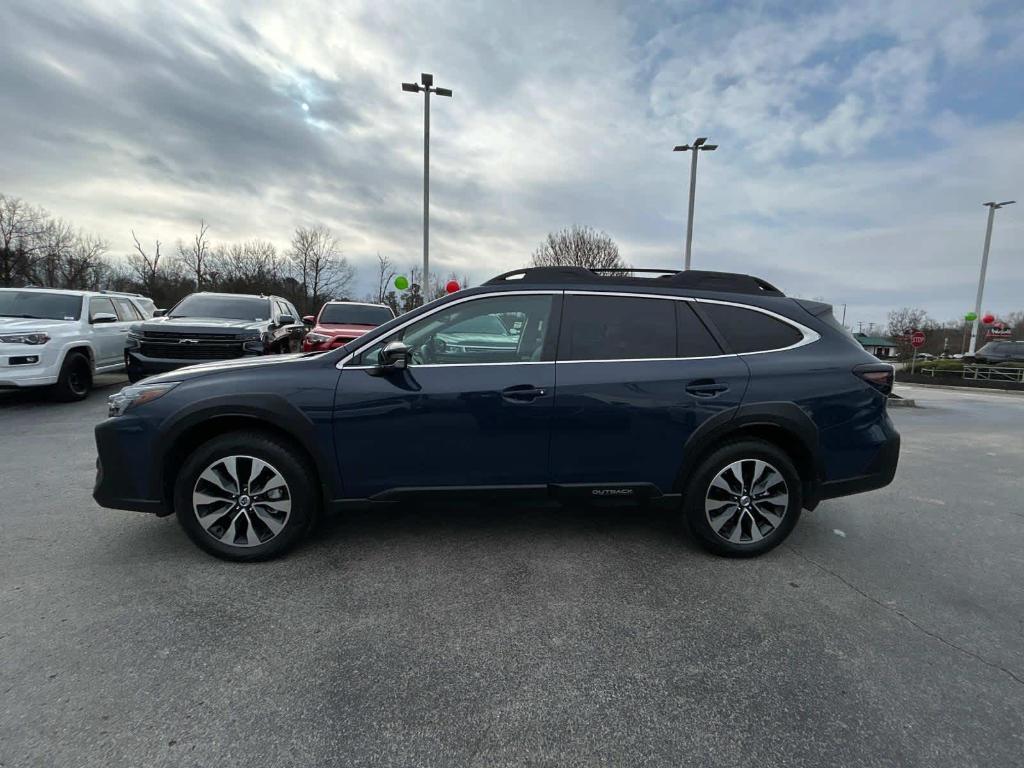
column 879, row 347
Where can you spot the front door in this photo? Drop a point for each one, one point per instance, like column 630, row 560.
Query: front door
column 109, row 338
column 635, row 377
column 472, row 410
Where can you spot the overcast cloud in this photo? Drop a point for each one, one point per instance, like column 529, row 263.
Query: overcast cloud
column 857, row 140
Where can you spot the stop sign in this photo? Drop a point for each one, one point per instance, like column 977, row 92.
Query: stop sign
column 917, row 339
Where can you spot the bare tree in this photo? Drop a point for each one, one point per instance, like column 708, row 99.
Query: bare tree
column 82, row 264
column 903, row 320
column 146, row 267
column 318, row 264
column 19, row 225
column 52, row 250
column 578, row 246
column 385, row 274
column 195, row 256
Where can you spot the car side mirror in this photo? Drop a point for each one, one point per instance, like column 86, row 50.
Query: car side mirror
column 285, row 320
column 103, row 317
column 159, row 312
column 395, row 356
column 309, row 320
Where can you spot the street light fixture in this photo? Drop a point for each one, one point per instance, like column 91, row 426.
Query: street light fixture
column 426, row 84
column 700, row 145
column 992, row 208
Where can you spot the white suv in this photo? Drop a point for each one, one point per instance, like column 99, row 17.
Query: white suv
column 61, row 338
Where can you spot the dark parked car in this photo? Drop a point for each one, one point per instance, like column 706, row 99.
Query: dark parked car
column 212, row 326
column 339, row 322
column 709, row 394
column 1000, row 352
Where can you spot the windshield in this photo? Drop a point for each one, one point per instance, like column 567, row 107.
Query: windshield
column 227, row 307
column 354, row 314
column 40, row 305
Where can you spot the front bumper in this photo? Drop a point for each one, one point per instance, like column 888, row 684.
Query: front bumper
column 17, row 371
column 150, row 366
column 127, row 476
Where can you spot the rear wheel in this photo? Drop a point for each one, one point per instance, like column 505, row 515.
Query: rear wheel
column 744, row 499
column 245, row 496
column 74, row 380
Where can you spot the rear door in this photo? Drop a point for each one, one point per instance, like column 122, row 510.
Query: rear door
column 635, row 376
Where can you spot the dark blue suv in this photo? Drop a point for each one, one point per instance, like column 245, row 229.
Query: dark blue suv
column 710, row 394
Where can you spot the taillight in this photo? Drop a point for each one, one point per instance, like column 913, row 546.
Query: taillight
column 878, row 375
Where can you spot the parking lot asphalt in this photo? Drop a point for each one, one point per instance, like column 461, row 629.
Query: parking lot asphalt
column 889, row 629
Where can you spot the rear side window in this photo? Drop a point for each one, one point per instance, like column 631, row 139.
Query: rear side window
column 617, row 328
column 126, row 310
column 748, row 331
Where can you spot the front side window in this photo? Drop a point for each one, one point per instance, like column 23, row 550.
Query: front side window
column 746, row 330
column 497, row 329
column 100, row 307
column 617, row 328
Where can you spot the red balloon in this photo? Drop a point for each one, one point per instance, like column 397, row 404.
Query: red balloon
column 987, row 319
column 451, row 286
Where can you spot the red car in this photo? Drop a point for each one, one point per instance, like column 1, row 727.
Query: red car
column 341, row 321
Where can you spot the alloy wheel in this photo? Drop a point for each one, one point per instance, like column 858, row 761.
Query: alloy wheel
column 241, row 501
column 746, row 501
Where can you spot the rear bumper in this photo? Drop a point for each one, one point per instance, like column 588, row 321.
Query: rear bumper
column 880, row 472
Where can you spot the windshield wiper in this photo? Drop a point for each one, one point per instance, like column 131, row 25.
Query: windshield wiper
column 26, row 317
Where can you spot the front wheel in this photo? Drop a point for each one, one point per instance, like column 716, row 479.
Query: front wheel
column 74, row 380
column 245, row 496
column 743, row 499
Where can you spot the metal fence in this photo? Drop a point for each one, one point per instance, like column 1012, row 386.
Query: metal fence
column 979, row 372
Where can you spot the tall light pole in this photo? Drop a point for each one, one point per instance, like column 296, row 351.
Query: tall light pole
column 426, row 84
column 992, row 208
column 697, row 146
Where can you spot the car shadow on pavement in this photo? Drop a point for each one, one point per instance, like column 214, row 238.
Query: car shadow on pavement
column 471, row 521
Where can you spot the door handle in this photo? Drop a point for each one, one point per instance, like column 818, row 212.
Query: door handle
column 522, row 393
column 707, row 389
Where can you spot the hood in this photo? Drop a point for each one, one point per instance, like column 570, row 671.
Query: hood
column 200, row 324
column 342, row 329
column 22, row 324
column 219, row 366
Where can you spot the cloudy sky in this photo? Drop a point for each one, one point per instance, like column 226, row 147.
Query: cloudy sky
column 857, row 140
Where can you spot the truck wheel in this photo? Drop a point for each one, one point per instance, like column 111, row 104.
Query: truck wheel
column 743, row 499
column 75, row 379
column 246, row 496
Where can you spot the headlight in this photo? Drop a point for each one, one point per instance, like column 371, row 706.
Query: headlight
column 317, row 338
column 254, row 345
column 37, row 337
column 137, row 394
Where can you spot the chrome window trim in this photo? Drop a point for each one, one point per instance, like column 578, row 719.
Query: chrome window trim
column 809, row 336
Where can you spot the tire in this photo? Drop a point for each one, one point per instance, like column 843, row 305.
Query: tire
column 743, row 499
column 132, row 370
column 220, row 519
column 74, row 380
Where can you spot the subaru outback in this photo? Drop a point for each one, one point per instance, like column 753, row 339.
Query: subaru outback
column 712, row 395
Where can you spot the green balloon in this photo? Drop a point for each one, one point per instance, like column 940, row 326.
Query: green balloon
column 401, row 282
column 970, row 317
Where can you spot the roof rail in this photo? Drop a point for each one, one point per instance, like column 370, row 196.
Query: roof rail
column 701, row 280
